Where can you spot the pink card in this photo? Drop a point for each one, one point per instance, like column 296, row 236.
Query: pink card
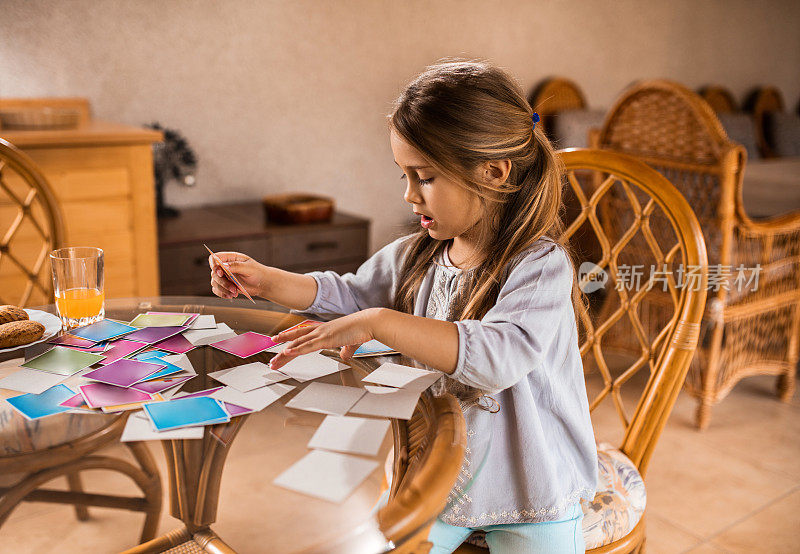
column 176, row 344
column 74, row 402
column 245, row 345
column 72, row 340
column 124, row 372
column 120, row 349
column 235, row 409
column 160, row 385
column 98, row 395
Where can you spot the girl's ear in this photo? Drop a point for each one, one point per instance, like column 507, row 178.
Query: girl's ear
column 496, row 171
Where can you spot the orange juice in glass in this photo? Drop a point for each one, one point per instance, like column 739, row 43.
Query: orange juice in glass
column 78, row 285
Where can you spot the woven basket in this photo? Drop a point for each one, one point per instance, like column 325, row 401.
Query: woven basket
column 297, row 208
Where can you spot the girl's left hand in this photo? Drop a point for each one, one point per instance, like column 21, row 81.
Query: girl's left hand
column 348, row 332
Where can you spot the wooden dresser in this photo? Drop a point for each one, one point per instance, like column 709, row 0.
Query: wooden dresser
column 340, row 245
column 102, row 176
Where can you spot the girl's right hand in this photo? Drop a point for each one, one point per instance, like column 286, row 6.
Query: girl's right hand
column 249, row 272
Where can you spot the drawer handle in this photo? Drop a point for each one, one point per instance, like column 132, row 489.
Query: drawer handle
column 312, row 246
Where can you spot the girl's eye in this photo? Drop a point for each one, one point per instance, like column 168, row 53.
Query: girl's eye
column 425, row 181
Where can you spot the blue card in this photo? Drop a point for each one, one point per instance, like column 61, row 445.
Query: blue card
column 373, row 348
column 150, row 354
column 34, row 406
column 186, row 412
column 104, row 329
column 169, row 370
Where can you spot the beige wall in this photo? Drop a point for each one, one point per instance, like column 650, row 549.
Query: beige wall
column 279, row 96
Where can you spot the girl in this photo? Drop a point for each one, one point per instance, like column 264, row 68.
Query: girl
column 482, row 293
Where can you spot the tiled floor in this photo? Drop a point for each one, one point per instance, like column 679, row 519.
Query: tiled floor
column 733, row 488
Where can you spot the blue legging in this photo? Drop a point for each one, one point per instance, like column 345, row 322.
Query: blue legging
column 562, row 536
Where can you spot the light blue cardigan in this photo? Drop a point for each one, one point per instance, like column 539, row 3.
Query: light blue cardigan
column 524, row 352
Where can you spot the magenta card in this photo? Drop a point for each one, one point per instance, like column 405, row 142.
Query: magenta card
column 177, row 344
column 74, row 402
column 124, row 372
column 120, row 349
column 159, row 385
column 98, row 395
column 201, row 393
column 152, row 335
column 245, row 345
column 235, row 409
column 72, row 340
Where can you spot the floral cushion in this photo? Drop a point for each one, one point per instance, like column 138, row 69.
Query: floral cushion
column 616, row 508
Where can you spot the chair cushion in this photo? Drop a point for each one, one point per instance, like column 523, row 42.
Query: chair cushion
column 741, row 128
column 616, row 508
column 783, row 133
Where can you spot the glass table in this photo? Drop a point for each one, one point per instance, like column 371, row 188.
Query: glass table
column 274, row 439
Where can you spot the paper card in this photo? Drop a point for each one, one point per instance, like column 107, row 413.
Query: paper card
column 148, row 355
column 105, row 329
column 152, row 335
column 230, row 275
column 31, row 381
column 169, row 369
column 159, row 385
column 202, row 337
column 152, row 319
column 131, row 406
column 192, row 316
column 244, row 345
column 34, row 406
column 373, row 348
column 249, row 376
column 235, row 410
column 311, row 366
column 120, row 349
column 98, row 395
column 257, row 399
column 357, row 435
column 326, row 398
column 203, row 322
column 207, row 392
column 186, row 412
column 124, row 373
column 278, row 348
column 72, row 340
column 98, row 348
column 387, row 402
column 176, row 344
column 180, row 360
column 76, row 401
column 327, row 475
column 139, row 428
column 64, row 361
column 403, row 376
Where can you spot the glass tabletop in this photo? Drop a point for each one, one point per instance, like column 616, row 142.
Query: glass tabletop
column 270, row 441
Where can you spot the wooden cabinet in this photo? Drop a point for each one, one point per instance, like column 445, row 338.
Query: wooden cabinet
column 340, row 245
column 102, row 175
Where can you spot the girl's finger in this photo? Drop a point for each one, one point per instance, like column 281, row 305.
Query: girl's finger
column 291, row 334
column 280, row 359
column 311, row 345
column 348, row 351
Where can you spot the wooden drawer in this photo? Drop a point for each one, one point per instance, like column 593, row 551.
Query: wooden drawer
column 313, row 248
column 182, row 264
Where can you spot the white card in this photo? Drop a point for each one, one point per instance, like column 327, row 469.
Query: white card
column 326, row 398
column 327, row 475
column 202, row 337
column 357, row 435
column 403, row 376
column 256, row 400
column 31, row 380
column 204, row 322
column 278, row 348
column 311, row 366
column 139, row 428
column 387, row 402
column 249, row 376
column 180, row 360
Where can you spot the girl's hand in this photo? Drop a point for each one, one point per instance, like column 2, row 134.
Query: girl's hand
column 348, row 332
column 249, row 272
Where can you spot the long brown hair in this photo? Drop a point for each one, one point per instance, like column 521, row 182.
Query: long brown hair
column 459, row 114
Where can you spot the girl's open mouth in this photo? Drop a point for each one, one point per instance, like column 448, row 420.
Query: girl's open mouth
column 426, row 221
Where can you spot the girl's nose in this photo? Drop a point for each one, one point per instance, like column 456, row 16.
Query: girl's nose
column 411, row 196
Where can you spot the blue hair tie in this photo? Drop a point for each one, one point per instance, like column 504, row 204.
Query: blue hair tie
column 535, row 119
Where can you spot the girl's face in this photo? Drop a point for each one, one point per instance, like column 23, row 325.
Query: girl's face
column 446, row 209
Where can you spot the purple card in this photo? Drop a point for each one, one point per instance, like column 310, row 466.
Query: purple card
column 121, row 348
column 159, row 385
column 245, row 345
column 76, row 401
column 72, row 340
column 124, row 373
column 152, row 335
column 98, row 395
column 235, row 409
column 201, row 393
column 176, row 344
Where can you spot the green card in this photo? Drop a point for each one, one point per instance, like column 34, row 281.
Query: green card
column 160, row 320
column 63, row 361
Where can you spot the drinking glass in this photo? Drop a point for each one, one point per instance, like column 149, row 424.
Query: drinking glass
column 78, row 285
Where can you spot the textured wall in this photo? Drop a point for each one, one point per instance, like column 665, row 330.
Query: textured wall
column 280, row 96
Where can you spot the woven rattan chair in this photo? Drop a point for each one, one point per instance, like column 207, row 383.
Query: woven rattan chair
column 30, row 227
column 719, row 98
column 759, row 102
column 553, row 95
column 657, row 217
column 745, row 332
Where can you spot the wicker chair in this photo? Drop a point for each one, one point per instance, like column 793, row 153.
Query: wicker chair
column 660, row 218
column 553, row 95
column 719, row 98
column 31, row 226
column 759, row 102
column 745, row 332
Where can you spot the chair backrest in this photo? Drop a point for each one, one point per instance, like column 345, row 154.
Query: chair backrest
column 650, row 223
column 675, row 131
column 720, row 99
column 760, row 102
column 553, row 95
column 31, row 226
